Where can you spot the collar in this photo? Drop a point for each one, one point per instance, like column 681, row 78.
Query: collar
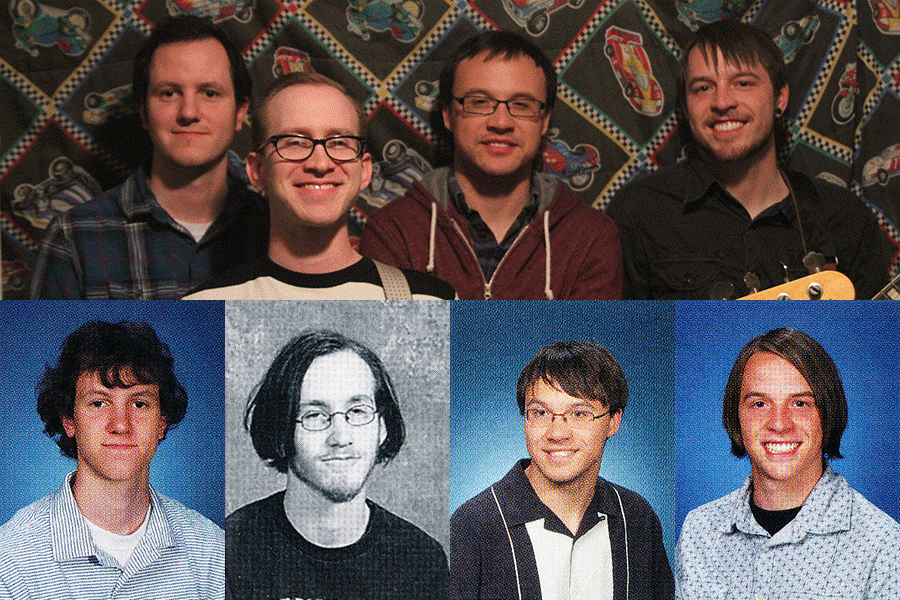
column 137, row 200
column 827, row 510
column 521, row 503
column 71, row 539
column 701, row 184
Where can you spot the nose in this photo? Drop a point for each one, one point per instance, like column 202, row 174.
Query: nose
column 319, row 162
column 187, row 112
column 558, row 428
column 500, row 119
column 779, row 418
column 723, row 99
column 340, row 433
column 119, row 419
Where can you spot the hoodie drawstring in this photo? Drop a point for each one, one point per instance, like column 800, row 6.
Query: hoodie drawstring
column 430, row 267
column 547, row 291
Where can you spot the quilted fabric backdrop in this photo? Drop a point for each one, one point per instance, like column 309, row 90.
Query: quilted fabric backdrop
column 66, row 131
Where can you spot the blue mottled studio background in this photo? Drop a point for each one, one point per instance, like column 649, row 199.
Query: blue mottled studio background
column 189, row 465
column 493, row 341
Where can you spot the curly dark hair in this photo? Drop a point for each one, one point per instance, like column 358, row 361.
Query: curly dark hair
column 275, row 403
column 123, row 354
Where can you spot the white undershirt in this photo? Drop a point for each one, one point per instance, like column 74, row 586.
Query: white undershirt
column 197, row 230
column 118, row 546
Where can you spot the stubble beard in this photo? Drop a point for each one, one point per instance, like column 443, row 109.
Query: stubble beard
column 732, row 156
column 336, row 488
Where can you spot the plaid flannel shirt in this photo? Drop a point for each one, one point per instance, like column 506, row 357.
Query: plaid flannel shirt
column 124, row 245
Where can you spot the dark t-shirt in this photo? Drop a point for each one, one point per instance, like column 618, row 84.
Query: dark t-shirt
column 267, row 559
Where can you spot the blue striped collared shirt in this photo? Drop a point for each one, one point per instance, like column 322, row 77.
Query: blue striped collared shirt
column 46, row 552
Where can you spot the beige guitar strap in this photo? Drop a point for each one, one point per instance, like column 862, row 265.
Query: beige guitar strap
column 393, row 281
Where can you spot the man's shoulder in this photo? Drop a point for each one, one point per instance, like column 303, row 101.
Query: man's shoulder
column 27, row 525
column 871, row 520
column 105, row 205
column 426, row 286
column 632, row 502
column 250, row 517
column 405, row 534
column 188, row 521
column 214, row 289
column 714, row 512
column 667, row 182
column 483, row 507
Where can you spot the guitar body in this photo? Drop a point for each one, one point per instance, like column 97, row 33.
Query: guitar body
column 824, row 285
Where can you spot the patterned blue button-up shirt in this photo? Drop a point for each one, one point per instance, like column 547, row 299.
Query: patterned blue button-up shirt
column 46, row 551
column 839, row 546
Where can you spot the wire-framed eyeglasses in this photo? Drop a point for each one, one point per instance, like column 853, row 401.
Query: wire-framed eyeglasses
column 541, row 417
column 478, row 104
column 319, row 420
column 296, row 148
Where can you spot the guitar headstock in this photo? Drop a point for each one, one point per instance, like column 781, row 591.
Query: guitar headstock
column 824, row 285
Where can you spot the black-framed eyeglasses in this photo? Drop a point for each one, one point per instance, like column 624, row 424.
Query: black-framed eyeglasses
column 319, row 420
column 541, row 417
column 478, row 104
column 296, row 148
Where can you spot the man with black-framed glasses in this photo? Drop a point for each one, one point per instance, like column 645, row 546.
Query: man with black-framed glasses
column 311, row 163
column 491, row 224
column 326, row 414
column 552, row 527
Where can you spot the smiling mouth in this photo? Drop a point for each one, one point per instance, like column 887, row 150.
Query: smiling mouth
column 781, row 447
column 560, row 453
column 316, row 186
column 727, row 125
column 338, row 458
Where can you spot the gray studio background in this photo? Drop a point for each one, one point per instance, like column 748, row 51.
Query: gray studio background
column 410, row 338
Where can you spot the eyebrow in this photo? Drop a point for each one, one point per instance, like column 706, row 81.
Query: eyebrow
column 515, row 96
column 754, row 394
column 329, row 133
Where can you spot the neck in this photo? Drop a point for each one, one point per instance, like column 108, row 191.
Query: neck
column 116, row 506
column 498, row 200
column 192, row 195
column 314, row 250
column 321, row 521
column 781, row 495
column 569, row 500
column 755, row 182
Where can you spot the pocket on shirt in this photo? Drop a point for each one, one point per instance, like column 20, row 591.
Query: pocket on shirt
column 680, row 275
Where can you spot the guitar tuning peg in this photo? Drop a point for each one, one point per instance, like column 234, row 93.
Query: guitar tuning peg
column 814, row 261
column 752, row 282
column 721, row 290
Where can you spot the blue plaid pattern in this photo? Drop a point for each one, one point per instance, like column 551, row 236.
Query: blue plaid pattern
column 124, row 245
